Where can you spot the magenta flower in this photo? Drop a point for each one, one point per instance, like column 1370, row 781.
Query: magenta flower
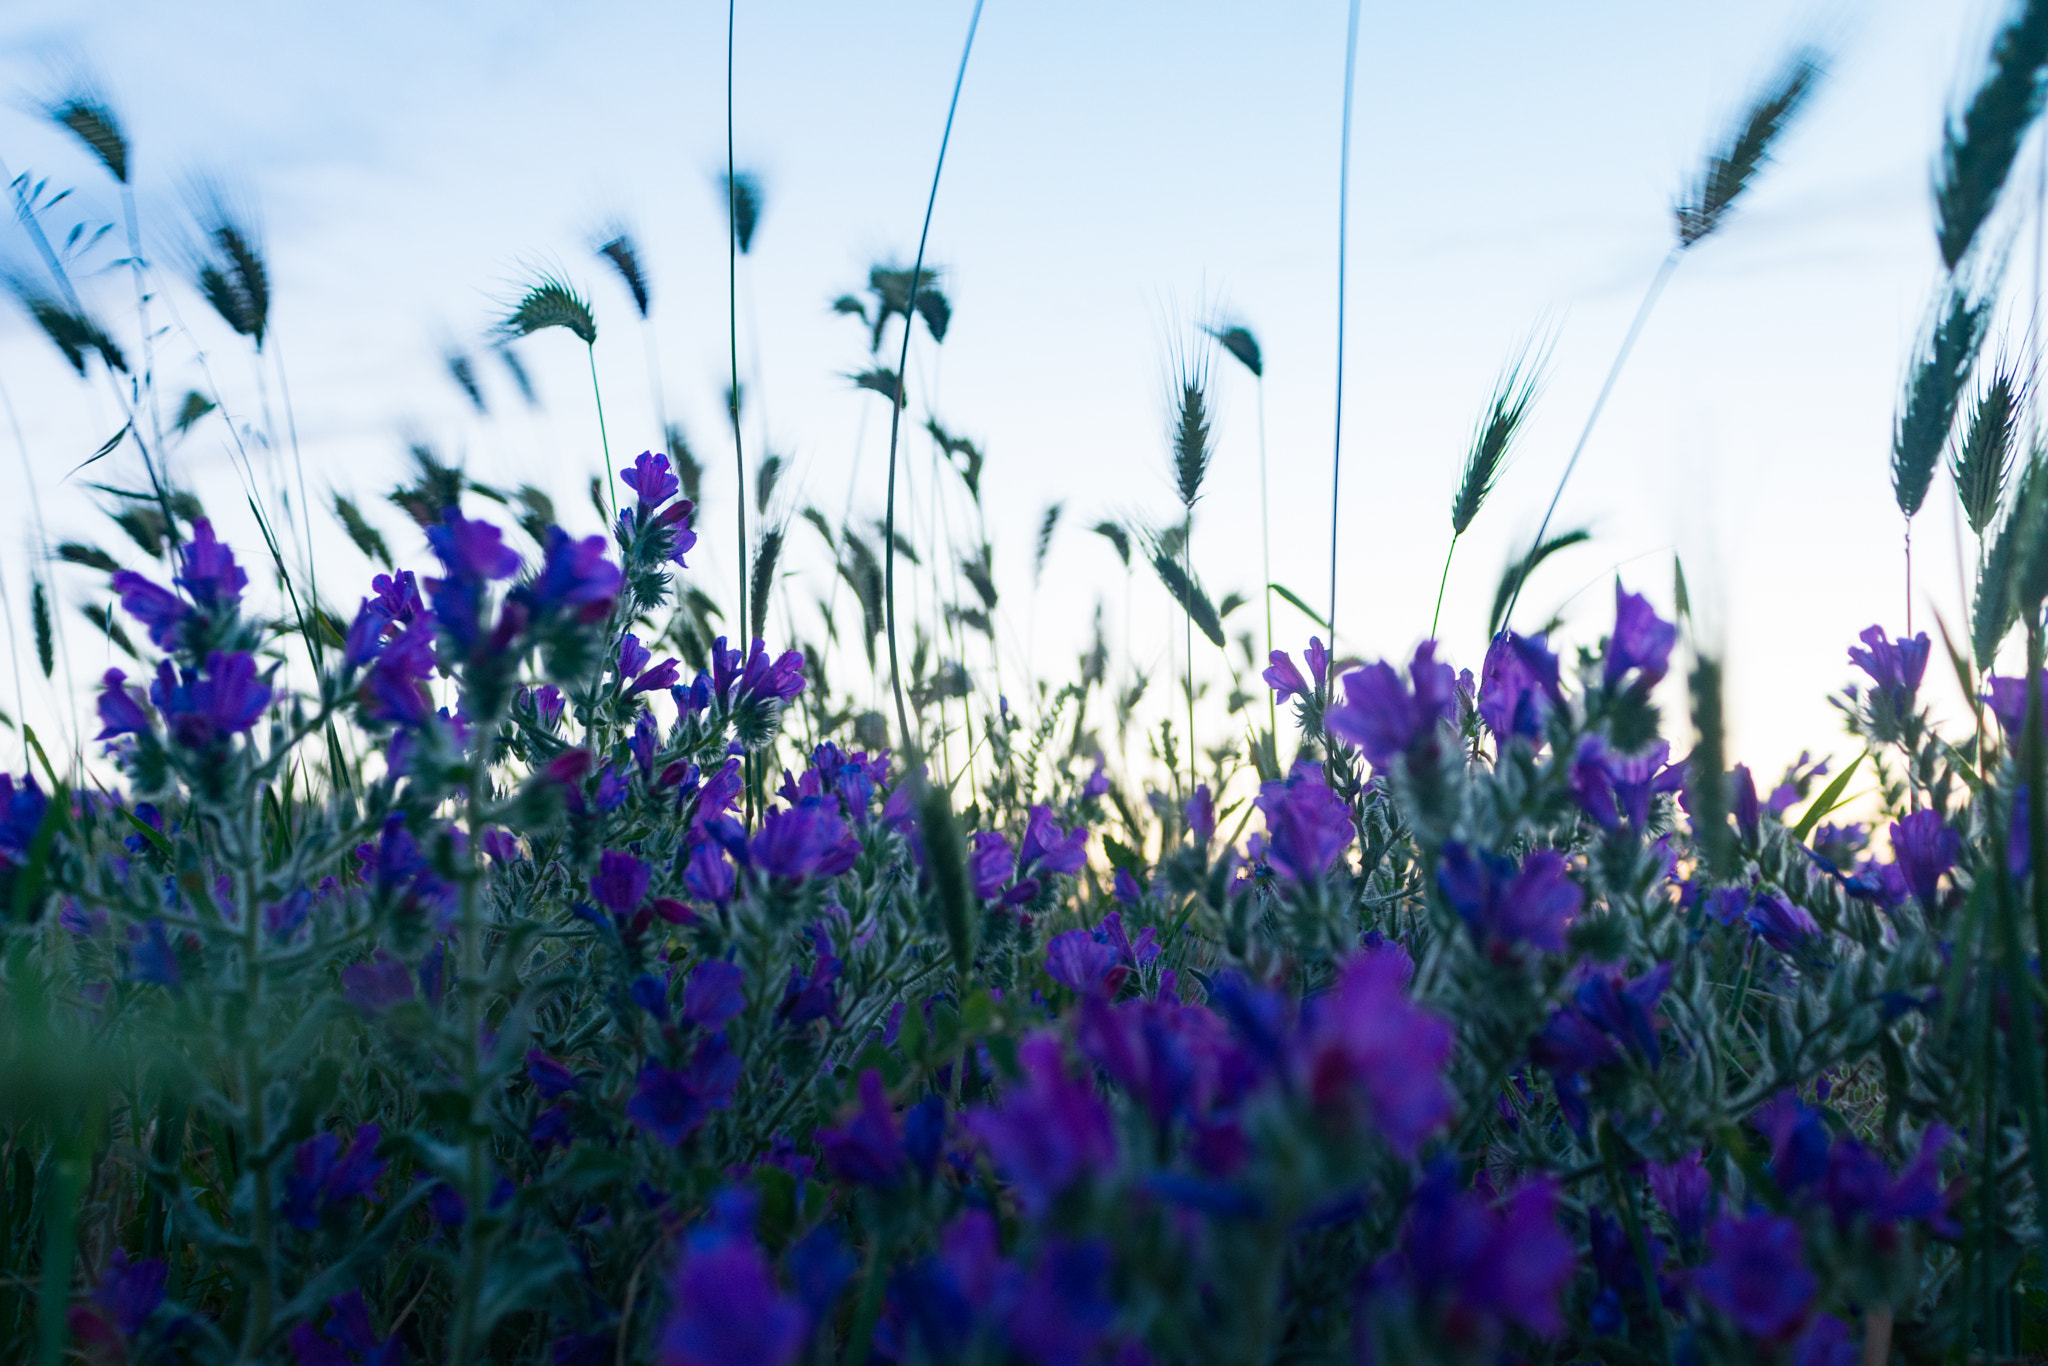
column 1504, row 905
column 1757, row 1275
column 1384, row 717
column 1371, row 1053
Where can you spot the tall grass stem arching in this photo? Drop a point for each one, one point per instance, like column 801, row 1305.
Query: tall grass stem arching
column 732, row 319
column 1628, row 344
column 896, row 406
column 1343, row 245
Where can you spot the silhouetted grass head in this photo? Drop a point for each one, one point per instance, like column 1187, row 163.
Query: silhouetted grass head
column 1978, row 147
column 551, row 302
column 92, row 121
column 229, row 269
column 743, row 200
column 1982, row 455
column 617, row 247
column 1494, row 439
column 1934, row 390
column 1189, row 419
column 75, row 335
column 1730, row 170
column 1241, row 344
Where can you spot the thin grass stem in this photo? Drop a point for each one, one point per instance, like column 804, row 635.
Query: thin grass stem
column 1628, row 344
column 610, row 478
column 732, row 317
column 1343, row 245
column 896, row 403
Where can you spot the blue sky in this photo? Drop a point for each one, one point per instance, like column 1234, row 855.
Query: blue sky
column 1116, row 170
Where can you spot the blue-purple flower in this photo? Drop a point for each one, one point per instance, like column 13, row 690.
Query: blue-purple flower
column 324, row 1176
column 868, row 1148
column 1477, row 1268
column 1384, row 716
column 1371, row 1053
column 1504, row 905
column 156, row 607
column 1925, row 848
column 120, row 713
column 574, row 577
column 209, row 572
column 726, row 1308
column 1895, row 667
column 1307, row 825
column 1051, row 1130
column 1757, row 1275
column 1641, row 641
column 1683, row 1190
column 204, row 707
column 1518, row 686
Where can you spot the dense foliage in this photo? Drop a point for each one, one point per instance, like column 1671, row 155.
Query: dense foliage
column 534, row 966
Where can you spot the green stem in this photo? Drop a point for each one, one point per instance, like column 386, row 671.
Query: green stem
column 610, row 478
column 462, row 1331
column 60, row 1249
column 1442, row 580
column 262, row 1291
column 1266, row 564
column 732, row 315
column 1631, row 1222
column 2036, row 746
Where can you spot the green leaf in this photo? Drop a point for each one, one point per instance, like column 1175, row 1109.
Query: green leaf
column 1295, row 600
column 1829, row 799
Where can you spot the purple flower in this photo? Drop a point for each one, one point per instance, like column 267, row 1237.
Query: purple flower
column 727, row 1310
column 1201, row 815
column 1308, row 827
column 621, row 883
column 1048, row 849
column 1610, row 787
column 575, row 576
column 1683, row 1190
column 1504, row 906
column 1859, row 1185
column 1318, row 660
column 650, row 478
column 151, row 958
column 1126, row 889
column 1896, row 667
column 120, row 713
column 868, row 1148
column 1518, row 685
column 201, row 709
column 1799, row 1141
column 716, row 993
column 1757, row 1275
column 549, row 1077
column 1051, row 1131
column 1063, row 1309
column 323, row 1176
column 1925, row 848
column 990, row 863
column 377, row 984
column 633, row 656
column 1283, row 678
column 130, row 1291
column 210, row 573
column 1641, row 640
column 22, row 807
column 1372, row 1053
column 1826, row 1342
column 1784, row 926
column 1742, row 798
column 395, row 688
column 1384, row 718
column 708, row 876
column 665, row 1104
column 807, row 840
column 2007, row 697
column 1078, row 962
column 1482, row 1267
column 760, row 678
column 157, row 608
